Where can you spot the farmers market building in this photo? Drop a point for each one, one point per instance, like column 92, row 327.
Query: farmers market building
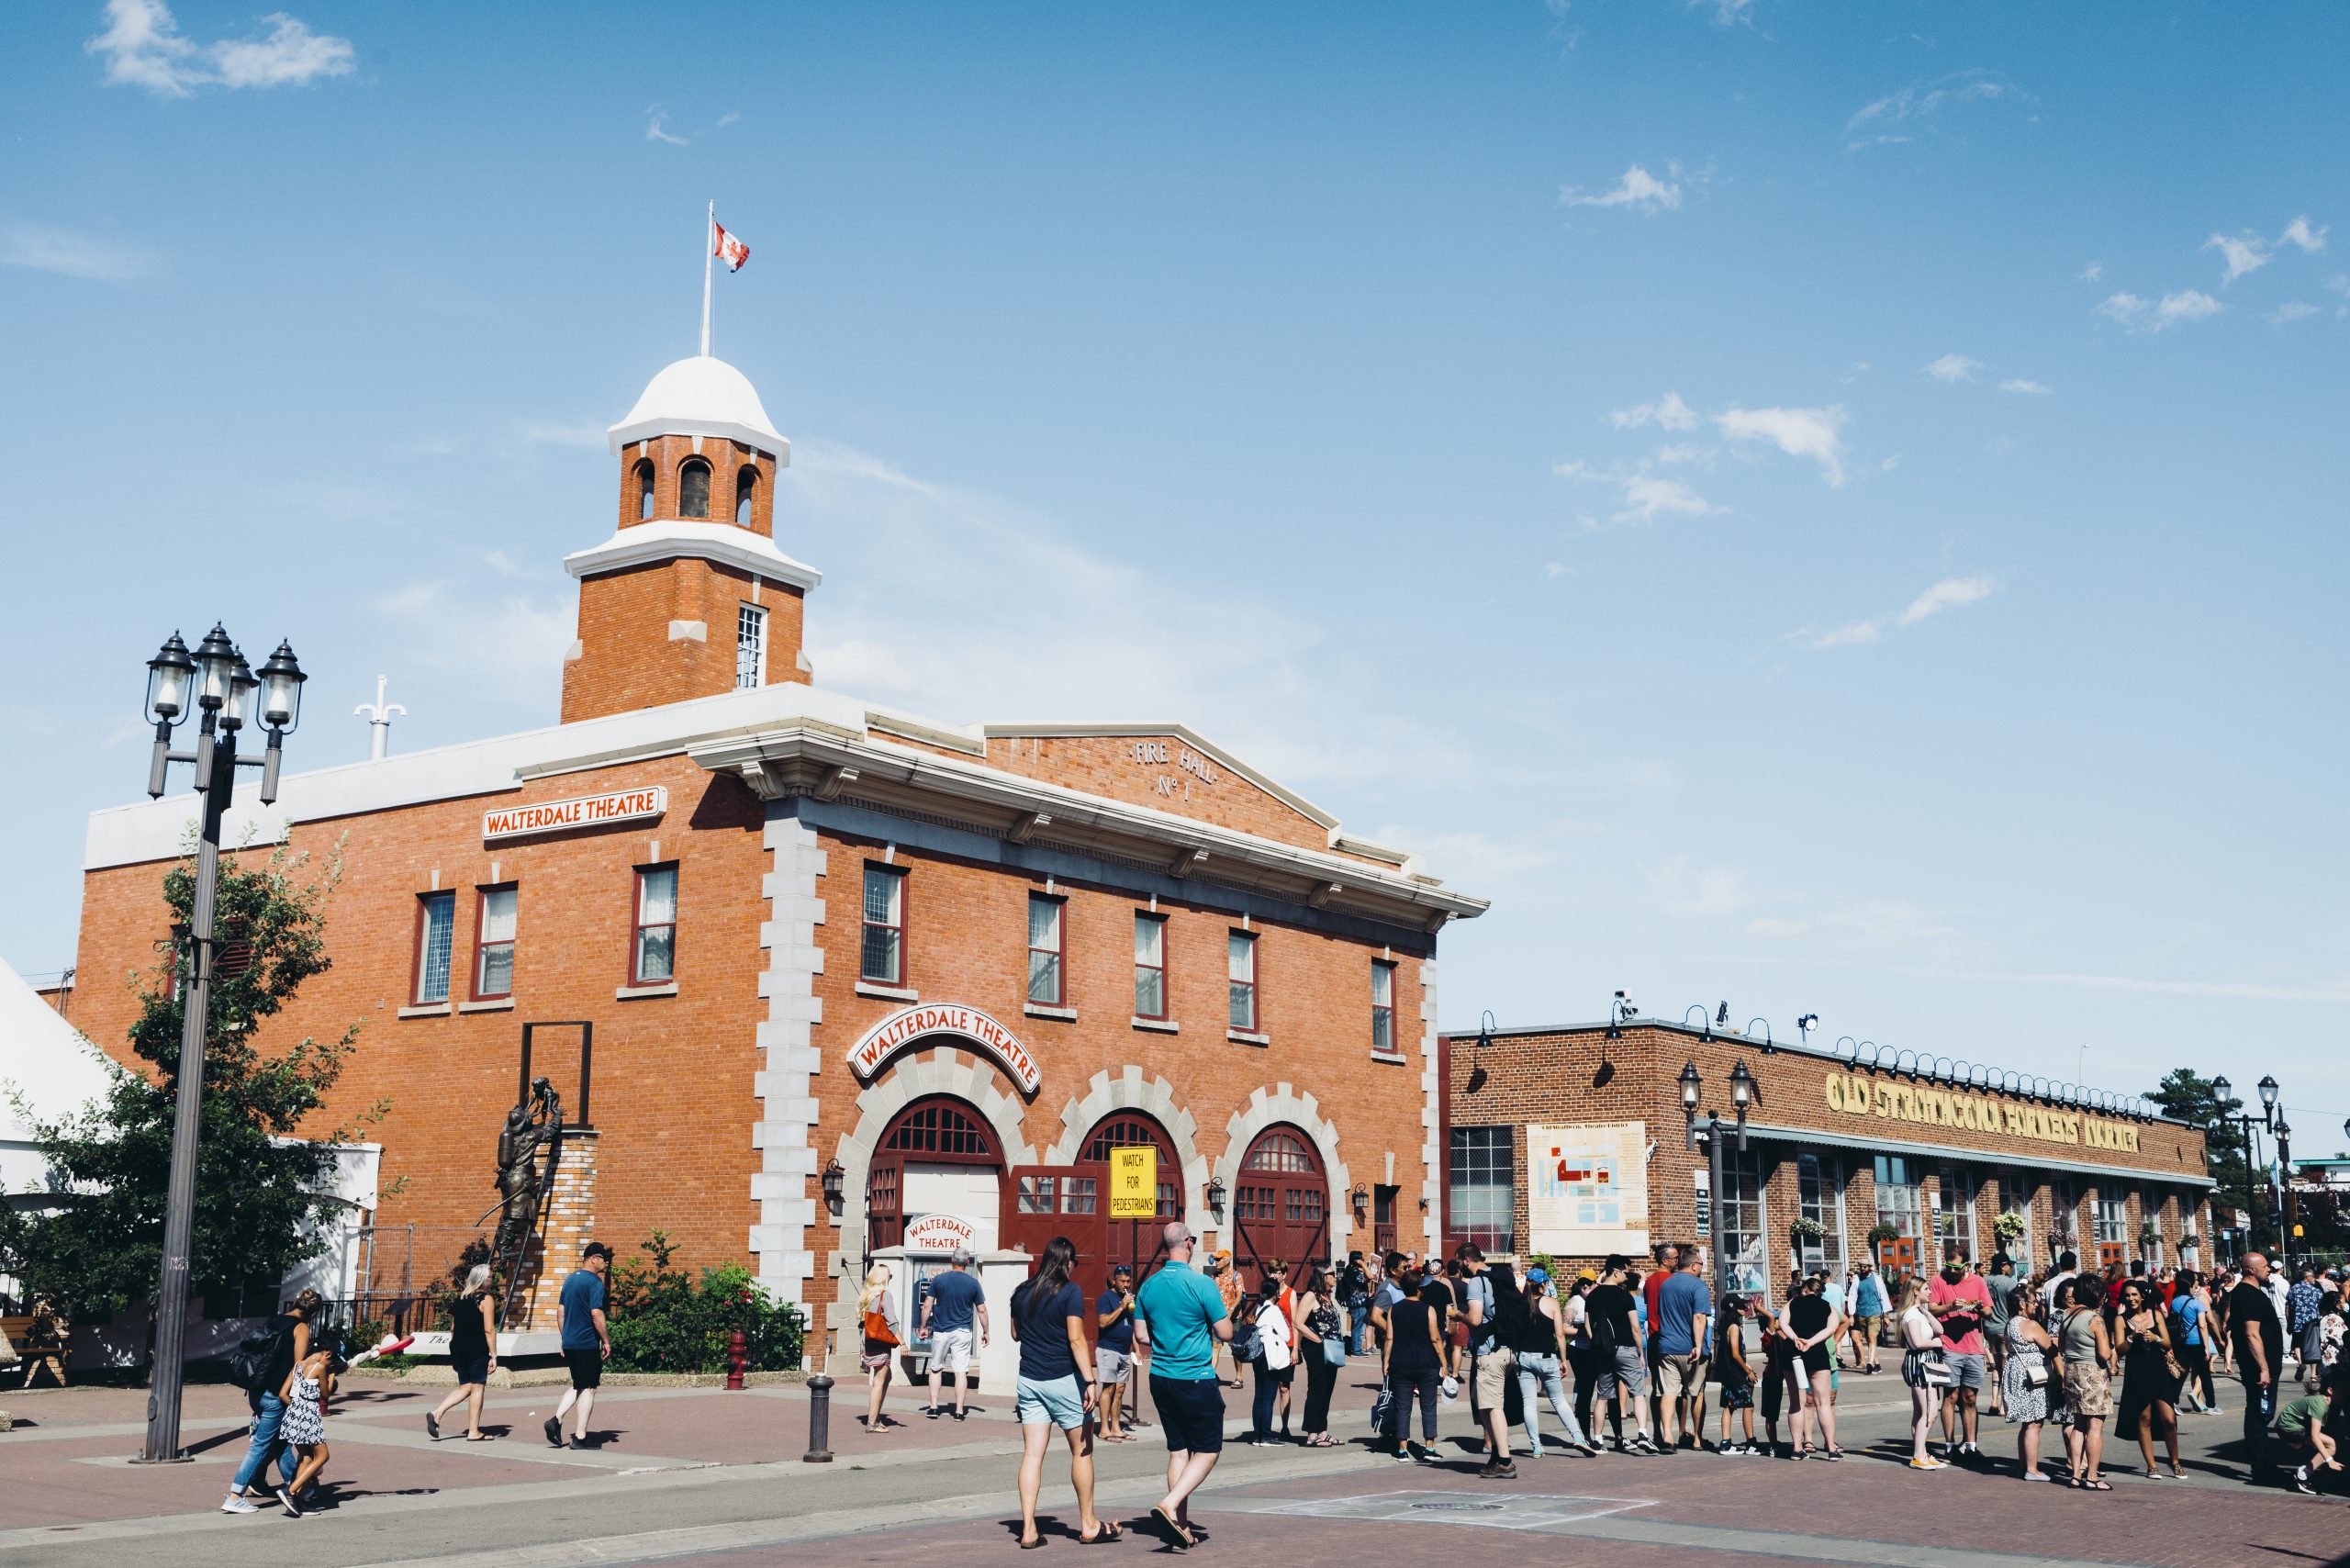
column 1572, row 1141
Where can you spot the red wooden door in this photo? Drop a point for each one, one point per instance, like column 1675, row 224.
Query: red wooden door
column 937, row 1131
column 1281, row 1205
column 1137, row 1243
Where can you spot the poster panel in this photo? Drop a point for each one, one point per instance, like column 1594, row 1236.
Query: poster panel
column 1587, row 1190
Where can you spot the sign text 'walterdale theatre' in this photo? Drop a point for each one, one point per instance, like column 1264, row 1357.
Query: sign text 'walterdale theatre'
column 588, row 810
column 1935, row 1107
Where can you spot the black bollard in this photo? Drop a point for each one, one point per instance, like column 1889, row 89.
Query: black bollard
column 820, row 1421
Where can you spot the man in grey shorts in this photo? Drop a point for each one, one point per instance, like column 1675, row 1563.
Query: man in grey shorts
column 1623, row 1360
column 1113, row 1355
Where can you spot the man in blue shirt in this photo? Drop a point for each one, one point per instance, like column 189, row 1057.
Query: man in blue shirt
column 954, row 1301
column 587, row 1342
column 1114, row 1315
column 1683, row 1314
column 1179, row 1317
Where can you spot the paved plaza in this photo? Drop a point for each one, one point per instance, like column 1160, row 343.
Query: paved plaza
column 705, row 1477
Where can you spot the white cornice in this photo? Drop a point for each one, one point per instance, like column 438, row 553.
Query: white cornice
column 648, row 544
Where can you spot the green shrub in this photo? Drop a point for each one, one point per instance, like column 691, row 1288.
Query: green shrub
column 666, row 1320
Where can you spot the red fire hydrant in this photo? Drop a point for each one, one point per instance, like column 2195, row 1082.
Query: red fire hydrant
column 738, row 1353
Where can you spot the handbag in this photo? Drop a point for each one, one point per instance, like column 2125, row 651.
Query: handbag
column 1379, row 1407
column 2036, row 1377
column 877, row 1328
column 1937, row 1371
column 1334, row 1350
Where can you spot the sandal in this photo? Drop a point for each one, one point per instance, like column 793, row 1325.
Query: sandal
column 1105, row 1531
column 1176, row 1536
column 2099, row 1484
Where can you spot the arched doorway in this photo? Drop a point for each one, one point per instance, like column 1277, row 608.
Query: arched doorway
column 1281, row 1205
column 1135, row 1242
column 1045, row 1201
column 937, row 1155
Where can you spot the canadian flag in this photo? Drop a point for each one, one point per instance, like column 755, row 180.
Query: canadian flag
column 729, row 249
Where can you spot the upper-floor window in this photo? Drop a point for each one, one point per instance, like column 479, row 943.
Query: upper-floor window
column 883, row 954
column 750, row 647
column 1382, row 1006
column 746, row 490
column 644, row 489
column 693, row 488
column 1241, row 965
column 652, row 941
column 1484, row 1207
column 1044, row 950
column 436, row 928
column 1150, row 966
column 494, row 945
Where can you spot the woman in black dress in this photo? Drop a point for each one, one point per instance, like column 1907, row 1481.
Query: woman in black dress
column 473, row 1351
column 2149, row 1387
column 1813, row 1323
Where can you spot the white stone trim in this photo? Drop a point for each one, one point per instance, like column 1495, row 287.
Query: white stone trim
column 1285, row 1102
column 647, row 544
column 785, row 1084
column 912, row 1076
column 1431, row 1120
column 1154, row 1097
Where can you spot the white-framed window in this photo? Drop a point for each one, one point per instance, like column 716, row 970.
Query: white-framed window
column 494, row 945
column 436, row 931
column 653, row 937
column 1150, row 966
column 2015, row 1198
column 1819, row 1196
column 1241, row 965
column 2112, row 1218
column 1383, row 1007
column 2065, row 1214
column 1484, row 1207
column 883, row 952
column 750, row 647
column 1044, row 950
column 1954, row 1212
column 1738, row 1244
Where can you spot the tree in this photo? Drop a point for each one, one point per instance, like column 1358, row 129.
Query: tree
column 2187, row 1096
column 263, row 1190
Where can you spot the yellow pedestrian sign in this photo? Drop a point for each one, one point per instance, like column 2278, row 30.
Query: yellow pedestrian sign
column 1133, row 1182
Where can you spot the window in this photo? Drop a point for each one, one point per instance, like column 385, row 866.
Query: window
column 693, row 488
column 643, row 491
column 1150, row 966
column 1079, row 1194
column 884, row 957
column 494, row 945
column 2113, row 1219
column 1282, row 1151
column 2066, row 1217
column 1383, row 1007
column 937, row 1127
column 1485, row 1160
column 746, row 489
column 436, row 927
column 1241, row 965
column 1038, row 1195
column 2015, row 1198
column 750, row 647
column 1045, row 986
column 1896, row 1194
column 1134, row 1132
column 1955, row 1214
column 1819, row 1198
column 653, row 948
column 1738, row 1224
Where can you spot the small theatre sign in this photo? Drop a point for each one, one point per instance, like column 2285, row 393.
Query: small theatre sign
column 588, row 810
column 909, row 1024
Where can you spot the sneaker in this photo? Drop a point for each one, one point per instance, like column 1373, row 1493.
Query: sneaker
column 1641, row 1444
column 1423, row 1455
column 2301, row 1483
column 1498, row 1470
column 958, row 1413
column 1403, row 1455
column 554, row 1430
column 1927, row 1465
column 931, row 1411
column 237, row 1503
column 1589, row 1450
column 285, row 1497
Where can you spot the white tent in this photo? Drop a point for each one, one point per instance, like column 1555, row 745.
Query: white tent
column 48, row 1067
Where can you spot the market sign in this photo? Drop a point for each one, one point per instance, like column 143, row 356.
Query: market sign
column 1935, row 1107
column 908, row 1025
column 588, row 810
column 1133, row 1182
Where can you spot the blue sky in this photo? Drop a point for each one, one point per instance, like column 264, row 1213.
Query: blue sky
column 1835, row 511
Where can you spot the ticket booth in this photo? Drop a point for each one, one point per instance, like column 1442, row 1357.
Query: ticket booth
column 929, row 1249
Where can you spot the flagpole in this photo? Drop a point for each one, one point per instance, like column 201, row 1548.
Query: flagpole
column 709, row 249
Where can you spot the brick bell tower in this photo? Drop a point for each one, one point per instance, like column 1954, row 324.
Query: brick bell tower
column 689, row 597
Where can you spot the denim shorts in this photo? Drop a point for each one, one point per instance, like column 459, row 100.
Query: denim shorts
column 1051, row 1402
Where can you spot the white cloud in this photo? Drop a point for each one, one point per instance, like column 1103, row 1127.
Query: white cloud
column 2143, row 315
column 1812, row 433
column 2298, row 233
column 1954, row 367
column 1726, row 13
column 1644, row 497
column 577, row 432
column 1948, row 594
column 68, row 254
column 1779, row 930
column 1684, row 452
column 1669, row 412
column 143, row 47
column 2292, row 311
column 1851, row 634
column 2030, row 388
column 2245, row 253
column 2093, row 271
column 1637, row 188
column 1874, row 124
column 655, row 130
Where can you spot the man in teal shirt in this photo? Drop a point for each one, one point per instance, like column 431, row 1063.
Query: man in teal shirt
column 1179, row 1317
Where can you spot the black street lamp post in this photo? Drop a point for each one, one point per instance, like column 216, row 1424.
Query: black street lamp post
column 2252, row 1126
column 1742, row 1096
column 226, row 693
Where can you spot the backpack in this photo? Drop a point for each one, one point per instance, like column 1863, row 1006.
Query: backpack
column 1514, row 1325
column 1247, row 1339
column 256, row 1365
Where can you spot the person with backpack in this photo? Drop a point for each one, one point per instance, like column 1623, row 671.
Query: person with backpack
column 260, row 1366
column 1493, row 1309
column 1263, row 1340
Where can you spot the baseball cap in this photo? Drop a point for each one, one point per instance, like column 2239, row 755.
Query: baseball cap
column 596, row 1249
column 1537, row 1275
column 1590, row 1274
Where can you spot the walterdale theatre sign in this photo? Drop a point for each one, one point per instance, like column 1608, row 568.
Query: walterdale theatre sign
column 1934, row 1107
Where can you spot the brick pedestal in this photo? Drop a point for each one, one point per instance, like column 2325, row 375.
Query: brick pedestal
column 569, row 1225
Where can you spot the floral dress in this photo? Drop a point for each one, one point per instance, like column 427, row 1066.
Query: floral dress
column 2025, row 1403
column 305, row 1423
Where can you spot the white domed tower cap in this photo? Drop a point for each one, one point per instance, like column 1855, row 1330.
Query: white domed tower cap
column 700, row 396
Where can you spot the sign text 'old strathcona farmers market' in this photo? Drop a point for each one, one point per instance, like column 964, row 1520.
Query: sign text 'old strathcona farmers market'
column 906, row 1025
column 589, row 811
column 1934, row 1107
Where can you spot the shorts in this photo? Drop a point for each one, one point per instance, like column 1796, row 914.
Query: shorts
column 1620, row 1372
column 1738, row 1393
column 1969, row 1368
column 1490, row 1385
column 1675, row 1380
column 473, row 1369
column 1111, row 1366
column 586, row 1367
column 1867, row 1328
column 1191, row 1409
column 876, row 1356
column 1913, row 1370
column 950, row 1350
column 1050, row 1402
column 1816, row 1359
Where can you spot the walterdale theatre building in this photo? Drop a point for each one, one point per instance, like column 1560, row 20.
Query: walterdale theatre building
column 818, row 980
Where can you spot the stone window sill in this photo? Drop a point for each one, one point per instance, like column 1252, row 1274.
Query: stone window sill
column 1393, row 1058
column 636, row 993
column 428, row 1010
column 1039, row 1009
column 488, row 1004
column 887, row 992
column 1246, row 1037
column 1157, row 1025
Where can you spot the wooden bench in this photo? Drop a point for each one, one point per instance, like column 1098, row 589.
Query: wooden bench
column 32, row 1357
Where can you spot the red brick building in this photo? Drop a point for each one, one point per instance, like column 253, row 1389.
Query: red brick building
column 950, row 965
column 1572, row 1140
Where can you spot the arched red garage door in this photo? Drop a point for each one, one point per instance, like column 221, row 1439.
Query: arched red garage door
column 1280, row 1207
